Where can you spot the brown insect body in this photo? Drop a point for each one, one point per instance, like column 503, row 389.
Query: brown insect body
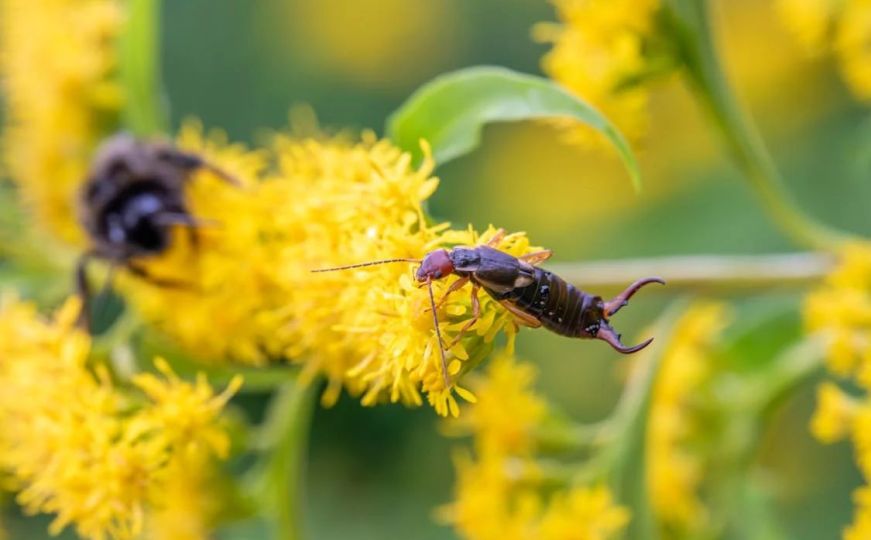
column 536, row 296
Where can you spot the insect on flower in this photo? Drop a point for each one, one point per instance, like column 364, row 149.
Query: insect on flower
column 131, row 200
column 533, row 295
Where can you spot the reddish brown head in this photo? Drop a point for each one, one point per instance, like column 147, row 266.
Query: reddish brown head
column 436, row 265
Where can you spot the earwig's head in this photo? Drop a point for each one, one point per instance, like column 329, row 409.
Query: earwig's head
column 436, row 265
column 597, row 313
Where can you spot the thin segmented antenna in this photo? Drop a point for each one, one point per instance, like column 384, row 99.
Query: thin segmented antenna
column 435, row 321
column 361, row 265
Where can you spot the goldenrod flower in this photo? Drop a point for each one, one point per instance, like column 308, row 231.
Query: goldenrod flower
column 675, row 472
column 76, row 446
column 839, row 26
column 601, row 52
column 58, row 69
column 501, row 493
column 840, row 309
column 188, row 505
column 583, row 514
column 252, row 296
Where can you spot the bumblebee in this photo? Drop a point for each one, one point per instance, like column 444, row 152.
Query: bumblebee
column 132, row 199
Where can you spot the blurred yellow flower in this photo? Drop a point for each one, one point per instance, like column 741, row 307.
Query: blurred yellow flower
column 57, row 69
column 502, row 493
column 675, row 472
column 840, row 26
column 833, row 419
column 188, row 505
column 252, row 297
column 506, row 414
column 594, row 509
column 76, row 446
column 840, row 309
column 601, row 52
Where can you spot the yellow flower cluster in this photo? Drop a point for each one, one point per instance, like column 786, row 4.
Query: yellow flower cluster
column 840, row 26
column 75, row 445
column 840, row 309
column 600, row 52
column 57, row 69
column 502, row 493
column 307, row 204
column 675, row 472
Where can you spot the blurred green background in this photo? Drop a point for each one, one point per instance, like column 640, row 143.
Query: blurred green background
column 380, row 473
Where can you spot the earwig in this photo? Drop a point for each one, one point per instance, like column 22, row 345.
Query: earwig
column 533, row 295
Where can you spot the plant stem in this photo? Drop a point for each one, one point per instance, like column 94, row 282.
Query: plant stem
column 286, row 441
column 144, row 110
column 691, row 22
column 727, row 272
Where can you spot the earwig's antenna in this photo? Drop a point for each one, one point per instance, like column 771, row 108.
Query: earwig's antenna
column 435, row 321
column 371, row 263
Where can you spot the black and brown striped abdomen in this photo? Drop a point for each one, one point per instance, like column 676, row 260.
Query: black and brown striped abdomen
column 561, row 307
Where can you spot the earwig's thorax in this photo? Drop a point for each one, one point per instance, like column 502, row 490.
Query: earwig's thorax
column 436, row 265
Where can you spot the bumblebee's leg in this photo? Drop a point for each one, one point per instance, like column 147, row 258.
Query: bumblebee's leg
column 167, row 283
column 497, row 237
column 83, row 290
column 455, row 286
column 523, row 318
column 536, row 256
column 476, row 314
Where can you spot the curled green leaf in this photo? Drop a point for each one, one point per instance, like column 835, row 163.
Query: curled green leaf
column 451, row 110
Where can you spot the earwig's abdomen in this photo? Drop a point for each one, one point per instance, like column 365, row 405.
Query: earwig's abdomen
column 561, row 307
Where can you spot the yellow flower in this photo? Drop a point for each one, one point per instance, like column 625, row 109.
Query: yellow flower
column 507, row 413
column 675, row 472
column 860, row 529
column 833, row 419
column 583, row 514
column 188, row 505
column 502, row 492
column 601, row 53
column 76, row 446
column 840, row 26
column 57, row 68
column 253, row 297
column 840, row 309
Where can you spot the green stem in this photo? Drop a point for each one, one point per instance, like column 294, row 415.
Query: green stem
column 144, row 111
column 286, row 441
column 691, row 22
column 709, row 272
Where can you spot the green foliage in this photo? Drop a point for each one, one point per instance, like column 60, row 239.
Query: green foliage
column 451, row 110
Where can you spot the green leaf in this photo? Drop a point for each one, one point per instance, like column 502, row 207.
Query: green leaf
column 450, row 111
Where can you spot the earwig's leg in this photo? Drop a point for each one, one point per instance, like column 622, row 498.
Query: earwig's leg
column 613, row 306
column 607, row 334
column 536, row 257
column 476, row 314
column 455, row 286
column 493, row 242
column 435, row 321
column 524, row 318
column 168, row 283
